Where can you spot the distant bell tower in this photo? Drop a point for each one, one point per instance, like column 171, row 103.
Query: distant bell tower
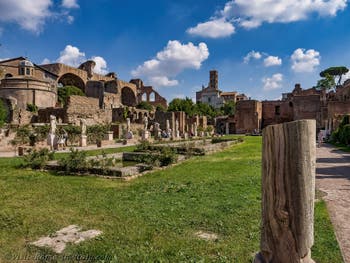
column 213, row 82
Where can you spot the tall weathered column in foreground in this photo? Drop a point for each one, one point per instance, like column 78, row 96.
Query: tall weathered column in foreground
column 288, row 191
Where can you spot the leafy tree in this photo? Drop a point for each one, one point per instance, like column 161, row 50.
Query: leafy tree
column 326, row 83
column 3, row 113
column 185, row 105
column 65, row 92
column 145, row 105
column 160, row 108
column 229, row 108
column 205, row 109
column 335, row 72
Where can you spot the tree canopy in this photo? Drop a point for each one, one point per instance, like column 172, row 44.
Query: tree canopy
column 338, row 71
column 326, row 83
column 66, row 91
column 144, row 105
column 191, row 109
column 229, row 108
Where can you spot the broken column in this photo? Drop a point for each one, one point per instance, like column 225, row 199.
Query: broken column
column 288, row 189
column 83, row 136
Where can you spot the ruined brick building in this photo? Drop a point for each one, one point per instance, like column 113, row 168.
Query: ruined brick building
column 23, row 83
column 326, row 108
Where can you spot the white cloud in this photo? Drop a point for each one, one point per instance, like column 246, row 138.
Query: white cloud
column 213, row 29
column 171, row 61
column 305, row 60
column 272, row 61
column 255, row 12
column 274, row 82
column 252, row 55
column 45, row 61
column 30, row 15
column 71, row 56
column 101, row 65
column 70, row 4
column 163, row 81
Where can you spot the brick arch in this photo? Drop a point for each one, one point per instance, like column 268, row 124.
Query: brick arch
column 70, row 79
column 128, row 96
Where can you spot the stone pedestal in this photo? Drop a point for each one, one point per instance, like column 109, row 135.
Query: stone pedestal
column 145, row 135
column 185, row 135
column 83, row 141
column 109, row 136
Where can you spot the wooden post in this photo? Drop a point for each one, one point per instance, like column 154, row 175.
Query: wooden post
column 288, row 192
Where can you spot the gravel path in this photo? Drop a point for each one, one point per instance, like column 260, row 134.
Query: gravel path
column 333, row 178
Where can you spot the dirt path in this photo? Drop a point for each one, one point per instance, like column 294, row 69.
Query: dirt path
column 333, row 177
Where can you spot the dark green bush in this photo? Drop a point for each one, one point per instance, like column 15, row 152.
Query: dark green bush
column 342, row 134
column 32, row 107
column 76, row 161
column 96, row 132
column 37, row 159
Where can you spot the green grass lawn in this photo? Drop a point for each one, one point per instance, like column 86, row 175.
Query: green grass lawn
column 153, row 218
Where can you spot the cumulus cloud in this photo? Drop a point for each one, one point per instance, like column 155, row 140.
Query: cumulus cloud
column 252, row 55
column 272, row 61
column 45, row 61
column 253, row 13
column 213, row 29
column 72, row 56
column 305, row 60
column 70, row 4
column 163, row 81
column 101, row 65
column 172, row 60
column 274, row 82
column 32, row 15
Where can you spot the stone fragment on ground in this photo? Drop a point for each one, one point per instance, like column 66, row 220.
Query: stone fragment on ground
column 70, row 234
column 207, row 236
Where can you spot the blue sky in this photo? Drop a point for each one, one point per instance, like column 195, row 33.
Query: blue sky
column 260, row 47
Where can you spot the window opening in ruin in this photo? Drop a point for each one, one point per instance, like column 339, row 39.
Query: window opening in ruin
column 277, row 110
column 152, row 97
column 144, row 97
column 27, row 71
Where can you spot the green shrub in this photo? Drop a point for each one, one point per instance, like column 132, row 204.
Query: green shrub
column 3, row 113
column 76, row 161
column 38, row 159
column 65, row 92
column 144, row 105
column 167, row 156
column 22, row 136
column 344, row 135
column 96, row 132
column 32, row 107
column 41, row 132
column 143, row 146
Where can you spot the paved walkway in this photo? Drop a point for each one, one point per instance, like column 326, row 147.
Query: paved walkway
column 333, row 178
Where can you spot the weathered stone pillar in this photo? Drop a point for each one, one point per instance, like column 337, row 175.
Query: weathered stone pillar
column 288, row 189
